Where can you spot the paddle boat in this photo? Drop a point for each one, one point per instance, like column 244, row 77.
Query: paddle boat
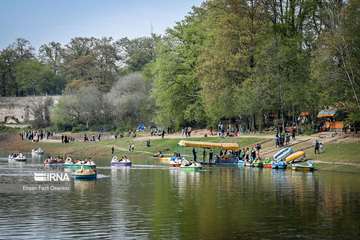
column 225, row 161
column 17, row 157
column 37, row 151
column 282, row 154
column 54, row 162
column 295, row 157
column 175, row 161
column 85, row 174
column 241, row 163
column 123, row 162
column 267, row 163
column 248, row 164
column 279, row 165
column 190, row 165
column 78, row 164
column 258, row 163
column 307, row 166
column 164, row 160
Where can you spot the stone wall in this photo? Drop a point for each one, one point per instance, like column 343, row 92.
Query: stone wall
column 19, row 109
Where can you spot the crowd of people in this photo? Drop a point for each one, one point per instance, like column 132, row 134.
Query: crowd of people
column 186, row 131
column 92, row 138
column 248, row 154
column 231, row 130
column 158, row 132
column 35, row 135
column 67, row 139
column 282, row 138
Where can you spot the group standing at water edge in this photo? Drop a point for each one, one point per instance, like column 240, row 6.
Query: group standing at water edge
column 248, row 154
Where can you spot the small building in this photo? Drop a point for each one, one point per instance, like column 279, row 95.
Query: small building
column 331, row 120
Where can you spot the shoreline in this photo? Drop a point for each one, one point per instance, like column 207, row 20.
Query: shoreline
column 11, row 142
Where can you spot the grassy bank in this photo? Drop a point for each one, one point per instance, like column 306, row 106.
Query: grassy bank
column 102, row 150
column 342, row 157
column 338, row 152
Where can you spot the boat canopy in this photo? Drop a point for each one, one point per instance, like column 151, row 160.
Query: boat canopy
column 327, row 113
column 225, row 146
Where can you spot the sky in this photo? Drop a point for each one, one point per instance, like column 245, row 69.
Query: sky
column 42, row 21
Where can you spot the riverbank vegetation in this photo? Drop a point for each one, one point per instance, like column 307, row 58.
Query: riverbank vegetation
column 259, row 63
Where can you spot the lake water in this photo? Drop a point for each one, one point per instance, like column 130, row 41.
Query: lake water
column 155, row 202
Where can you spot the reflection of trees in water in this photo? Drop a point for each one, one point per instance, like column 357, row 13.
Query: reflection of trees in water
column 121, row 203
column 158, row 203
column 340, row 200
column 52, row 213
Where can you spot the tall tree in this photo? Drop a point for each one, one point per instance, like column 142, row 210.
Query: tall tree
column 53, row 54
column 19, row 51
column 138, row 52
column 176, row 87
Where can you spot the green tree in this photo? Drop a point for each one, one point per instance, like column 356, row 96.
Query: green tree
column 35, row 78
column 15, row 53
column 336, row 63
column 176, row 88
column 136, row 53
column 52, row 54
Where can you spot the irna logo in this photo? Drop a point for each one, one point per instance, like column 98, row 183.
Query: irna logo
column 51, row 177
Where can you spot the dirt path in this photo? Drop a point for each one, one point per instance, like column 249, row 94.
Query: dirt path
column 126, row 150
column 306, row 142
column 268, row 143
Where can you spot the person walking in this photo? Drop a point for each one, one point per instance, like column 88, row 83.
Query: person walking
column 287, row 139
column 112, row 150
column 258, row 148
column 189, row 131
column 277, row 140
column 293, row 134
column 317, row 147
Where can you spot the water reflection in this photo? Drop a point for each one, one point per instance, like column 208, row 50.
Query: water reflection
column 37, row 158
column 16, row 164
column 84, row 186
column 162, row 203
